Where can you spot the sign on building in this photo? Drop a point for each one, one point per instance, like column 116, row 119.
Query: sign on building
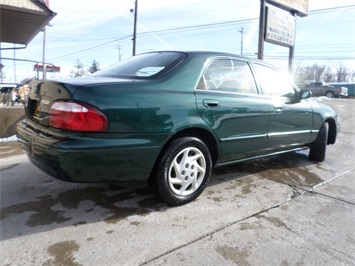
column 280, row 27
column 49, row 68
column 299, row 6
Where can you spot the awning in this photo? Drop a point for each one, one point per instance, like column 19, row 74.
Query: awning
column 22, row 20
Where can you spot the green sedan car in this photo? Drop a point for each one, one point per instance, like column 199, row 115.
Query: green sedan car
column 169, row 118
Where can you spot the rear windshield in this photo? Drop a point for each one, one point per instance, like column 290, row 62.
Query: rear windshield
column 147, row 65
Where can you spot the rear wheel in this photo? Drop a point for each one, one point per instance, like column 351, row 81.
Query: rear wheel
column 318, row 148
column 183, row 171
column 330, row 94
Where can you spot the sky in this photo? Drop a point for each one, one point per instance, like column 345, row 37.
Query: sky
column 88, row 30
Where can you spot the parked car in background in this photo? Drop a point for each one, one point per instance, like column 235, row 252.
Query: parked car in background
column 349, row 85
column 15, row 97
column 169, row 118
column 323, row 89
column 7, row 97
column 23, row 91
column 24, row 88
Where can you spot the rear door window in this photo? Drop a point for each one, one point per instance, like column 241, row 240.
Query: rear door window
column 228, row 75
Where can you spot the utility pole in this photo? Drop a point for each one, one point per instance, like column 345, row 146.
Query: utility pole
column 291, row 53
column 241, row 42
column 44, row 45
column 134, row 11
column 261, row 30
column 44, row 53
column 119, row 52
column 15, row 63
column 1, row 66
column 44, row 50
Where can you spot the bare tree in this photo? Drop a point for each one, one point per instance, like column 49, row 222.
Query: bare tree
column 318, row 72
column 341, row 73
column 309, row 73
column 298, row 75
column 352, row 76
column 2, row 76
column 328, row 75
column 79, row 70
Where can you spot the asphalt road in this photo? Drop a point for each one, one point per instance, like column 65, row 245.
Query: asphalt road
column 283, row 210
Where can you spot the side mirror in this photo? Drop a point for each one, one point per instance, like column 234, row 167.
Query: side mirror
column 304, row 94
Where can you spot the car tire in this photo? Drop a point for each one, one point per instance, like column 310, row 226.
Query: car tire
column 318, row 148
column 183, row 171
column 329, row 94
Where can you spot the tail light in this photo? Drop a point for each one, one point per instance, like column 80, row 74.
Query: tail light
column 344, row 90
column 77, row 116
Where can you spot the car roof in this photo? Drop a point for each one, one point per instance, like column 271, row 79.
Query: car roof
column 225, row 54
column 207, row 53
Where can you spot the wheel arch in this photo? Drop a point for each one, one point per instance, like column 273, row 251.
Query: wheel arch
column 200, row 133
column 332, row 132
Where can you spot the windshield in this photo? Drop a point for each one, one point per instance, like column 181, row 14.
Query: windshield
column 144, row 65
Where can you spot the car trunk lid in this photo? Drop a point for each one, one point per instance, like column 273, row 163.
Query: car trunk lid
column 44, row 92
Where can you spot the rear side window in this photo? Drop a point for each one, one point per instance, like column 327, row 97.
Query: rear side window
column 228, row 75
column 147, row 65
column 273, row 82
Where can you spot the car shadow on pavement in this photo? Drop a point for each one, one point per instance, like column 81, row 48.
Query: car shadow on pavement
column 45, row 203
column 42, row 203
column 289, row 169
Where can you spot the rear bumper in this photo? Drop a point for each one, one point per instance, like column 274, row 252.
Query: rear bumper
column 343, row 95
column 91, row 159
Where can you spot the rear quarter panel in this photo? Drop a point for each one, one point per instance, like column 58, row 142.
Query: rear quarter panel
column 148, row 107
column 153, row 105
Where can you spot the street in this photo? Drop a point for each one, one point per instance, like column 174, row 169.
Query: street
column 281, row 210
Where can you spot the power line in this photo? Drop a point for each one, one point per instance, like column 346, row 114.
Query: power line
column 200, row 26
column 217, row 24
column 331, row 9
column 91, row 48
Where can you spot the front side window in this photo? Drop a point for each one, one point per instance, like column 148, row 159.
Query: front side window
column 144, row 65
column 228, row 75
column 272, row 82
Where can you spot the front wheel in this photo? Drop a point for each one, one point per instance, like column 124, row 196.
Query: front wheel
column 183, row 171
column 318, row 148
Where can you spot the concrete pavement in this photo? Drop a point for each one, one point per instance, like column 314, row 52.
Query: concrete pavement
column 314, row 228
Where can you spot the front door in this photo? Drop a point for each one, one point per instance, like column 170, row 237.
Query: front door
column 228, row 101
column 290, row 118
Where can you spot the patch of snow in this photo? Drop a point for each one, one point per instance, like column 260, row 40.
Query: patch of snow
column 9, row 139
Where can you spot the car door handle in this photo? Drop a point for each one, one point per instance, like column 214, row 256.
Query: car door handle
column 278, row 106
column 211, row 103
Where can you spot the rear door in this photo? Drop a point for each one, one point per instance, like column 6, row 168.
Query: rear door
column 228, row 101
